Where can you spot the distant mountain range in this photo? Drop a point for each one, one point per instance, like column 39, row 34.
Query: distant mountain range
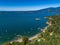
column 46, row 11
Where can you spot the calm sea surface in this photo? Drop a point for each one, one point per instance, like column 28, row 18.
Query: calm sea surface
column 14, row 24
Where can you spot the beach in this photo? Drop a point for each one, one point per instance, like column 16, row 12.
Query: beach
column 31, row 38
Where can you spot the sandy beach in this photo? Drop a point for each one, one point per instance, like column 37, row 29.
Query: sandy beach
column 31, row 38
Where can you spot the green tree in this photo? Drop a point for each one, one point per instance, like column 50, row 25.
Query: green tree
column 25, row 40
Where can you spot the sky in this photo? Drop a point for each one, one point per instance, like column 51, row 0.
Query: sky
column 27, row 5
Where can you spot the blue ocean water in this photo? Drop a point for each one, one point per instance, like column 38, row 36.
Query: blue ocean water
column 13, row 24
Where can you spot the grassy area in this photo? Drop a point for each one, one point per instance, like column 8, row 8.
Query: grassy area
column 51, row 36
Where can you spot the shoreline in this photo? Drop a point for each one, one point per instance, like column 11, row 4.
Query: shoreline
column 35, row 36
column 30, row 38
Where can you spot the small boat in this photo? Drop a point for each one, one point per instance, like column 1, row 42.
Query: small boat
column 37, row 19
